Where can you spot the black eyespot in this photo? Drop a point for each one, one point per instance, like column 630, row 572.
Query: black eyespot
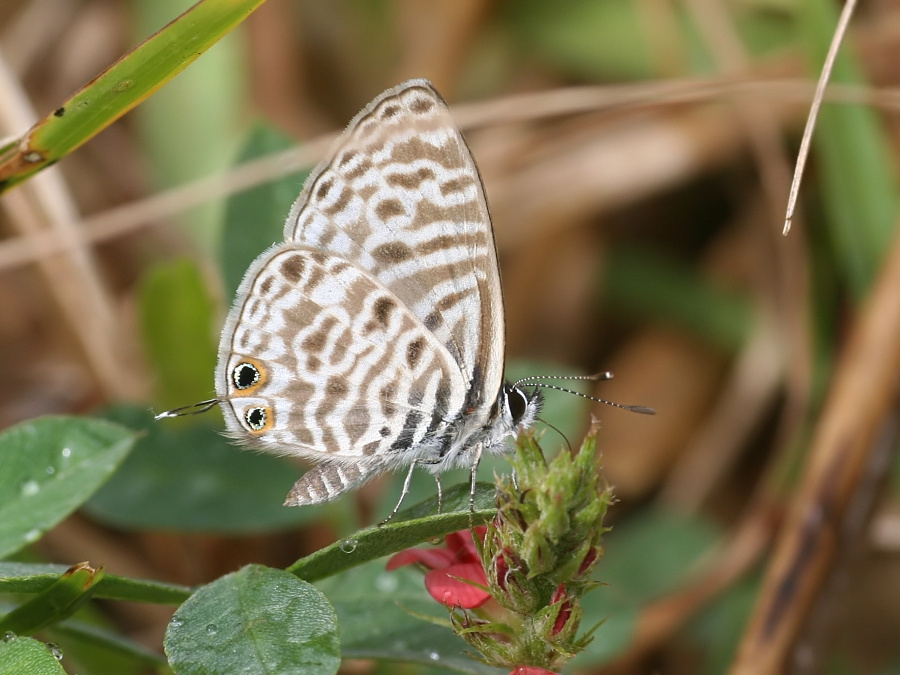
column 245, row 375
column 517, row 403
column 255, row 418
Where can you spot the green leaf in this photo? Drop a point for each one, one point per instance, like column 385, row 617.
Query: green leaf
column 650, row 553
column 589, row 38
column 719, row 627
column 643, row 284
column 646, row 556
column 255, row 620
column 191, row 479
column 176, row 323
column 375, row 610
column 58, row 601
column 100, row 651
column 20, row 655
column 119, row 88
column 48, row 468
column 254, row 219
column 408, row 528
column 36, row 578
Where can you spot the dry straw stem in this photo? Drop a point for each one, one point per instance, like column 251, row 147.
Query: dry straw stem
column 755, row 380
column 44, row 210
column 862, row 395
column 123, row 220
column 824, row 77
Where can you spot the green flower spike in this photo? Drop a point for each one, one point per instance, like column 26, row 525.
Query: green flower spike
column 538, row 555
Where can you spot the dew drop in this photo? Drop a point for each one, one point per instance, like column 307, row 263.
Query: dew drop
column 51, row 470
column 30, row 488
column 386, row 582
column 9, row 636
column 67, row 452
column 56, row 650
column 434, row 656
column 211, row 629
column 435, row 541
column 176, row 622
column 32, row 536
column 349, row 545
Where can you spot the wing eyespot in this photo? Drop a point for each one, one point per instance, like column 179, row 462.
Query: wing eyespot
column 258, row 418
column 248, row 376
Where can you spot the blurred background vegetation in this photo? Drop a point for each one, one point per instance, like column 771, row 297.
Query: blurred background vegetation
column 636, row 156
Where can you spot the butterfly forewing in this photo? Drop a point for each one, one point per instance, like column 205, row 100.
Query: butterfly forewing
column 401, row 198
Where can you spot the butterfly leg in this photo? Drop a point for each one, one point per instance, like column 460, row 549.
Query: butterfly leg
column 437, row 479
column 403, row 492
column 475, row 462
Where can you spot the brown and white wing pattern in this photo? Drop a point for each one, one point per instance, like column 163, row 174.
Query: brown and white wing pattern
column 319, row 360
column 323, row 362
column 373, row 336
column 401, row 197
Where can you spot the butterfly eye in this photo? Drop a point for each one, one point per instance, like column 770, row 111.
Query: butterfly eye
column 517, row 403
column 256, row 418
column 245, row 375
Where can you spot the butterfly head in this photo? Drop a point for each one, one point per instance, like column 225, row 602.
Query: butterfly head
column 519, row 408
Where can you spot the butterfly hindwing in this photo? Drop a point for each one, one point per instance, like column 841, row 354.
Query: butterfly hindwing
column 318, row 359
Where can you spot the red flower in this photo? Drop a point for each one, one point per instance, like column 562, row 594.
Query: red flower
column 448, row 567
column 588, row 561
column 531, row 670
column 565, row 610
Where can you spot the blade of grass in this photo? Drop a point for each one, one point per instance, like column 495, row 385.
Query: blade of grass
column 119, row 88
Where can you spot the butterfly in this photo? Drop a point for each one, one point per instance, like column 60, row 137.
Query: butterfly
column 372, row 338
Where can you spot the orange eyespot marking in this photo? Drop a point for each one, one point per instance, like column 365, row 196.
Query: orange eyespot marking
column 248, row 376
column 258, row 419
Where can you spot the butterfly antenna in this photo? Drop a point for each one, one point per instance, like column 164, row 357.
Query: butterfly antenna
column 537, row 381
column 193, row 409
column 556, row 429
